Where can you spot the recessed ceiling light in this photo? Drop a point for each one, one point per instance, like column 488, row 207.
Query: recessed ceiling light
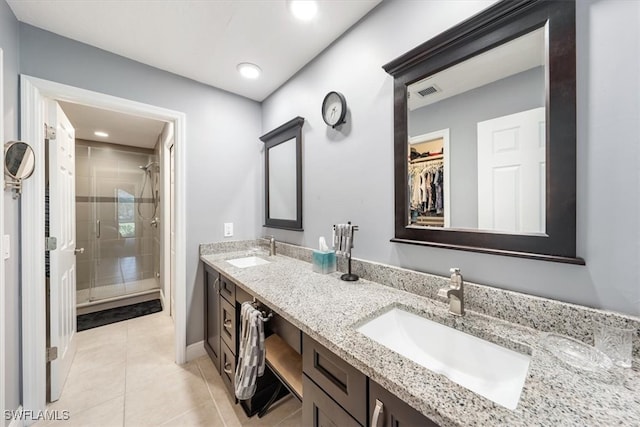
column 249, row 70
column 101, row 134
column 304, row 10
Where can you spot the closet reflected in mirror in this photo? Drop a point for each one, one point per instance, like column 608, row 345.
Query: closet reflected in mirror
column 476, row 135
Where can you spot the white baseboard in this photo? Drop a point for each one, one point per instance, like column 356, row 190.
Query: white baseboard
column 195, row 350
column 17, row 422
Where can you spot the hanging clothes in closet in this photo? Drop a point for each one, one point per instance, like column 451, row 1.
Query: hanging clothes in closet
column 426, row 191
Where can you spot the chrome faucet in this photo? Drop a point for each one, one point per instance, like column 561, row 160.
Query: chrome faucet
column 454, row 293
column 272, row 245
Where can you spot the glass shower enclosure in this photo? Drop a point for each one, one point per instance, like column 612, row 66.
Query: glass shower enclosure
column 117, row 196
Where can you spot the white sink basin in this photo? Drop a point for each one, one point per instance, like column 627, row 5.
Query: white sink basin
column 481, row 366
column 249, row 261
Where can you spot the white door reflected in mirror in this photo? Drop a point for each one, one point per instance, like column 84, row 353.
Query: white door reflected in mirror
column 511, row 173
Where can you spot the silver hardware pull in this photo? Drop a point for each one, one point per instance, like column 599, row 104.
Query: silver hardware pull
column 98, row 229
column 376, row 413
column 215, row 285
column 227, row 368
column 227, row 324
column 78, row 251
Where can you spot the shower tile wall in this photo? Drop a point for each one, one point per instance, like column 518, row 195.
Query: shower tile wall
column 109, row 179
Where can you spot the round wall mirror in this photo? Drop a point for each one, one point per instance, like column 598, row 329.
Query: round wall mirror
column 19, row 159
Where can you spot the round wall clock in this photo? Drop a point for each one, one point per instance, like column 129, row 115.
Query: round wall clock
column 334, row 109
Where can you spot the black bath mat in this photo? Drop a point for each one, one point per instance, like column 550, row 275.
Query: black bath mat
column 113, row 315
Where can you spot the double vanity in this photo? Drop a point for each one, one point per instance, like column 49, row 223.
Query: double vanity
column 373, row 351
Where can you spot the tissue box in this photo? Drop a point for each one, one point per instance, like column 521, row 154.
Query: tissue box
column 323, row 262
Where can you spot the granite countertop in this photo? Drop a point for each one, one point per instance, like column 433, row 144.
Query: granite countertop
column 329, row 309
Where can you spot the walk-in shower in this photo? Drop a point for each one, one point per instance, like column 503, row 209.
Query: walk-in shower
column 117, row 211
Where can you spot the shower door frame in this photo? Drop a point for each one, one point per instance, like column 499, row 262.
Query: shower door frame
column 96, row 240
column 33, row 93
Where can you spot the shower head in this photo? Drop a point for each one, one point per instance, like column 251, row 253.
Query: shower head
column 148, row 165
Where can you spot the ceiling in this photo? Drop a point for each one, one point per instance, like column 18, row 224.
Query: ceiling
column 123, row 129
column 518, row 55
column 201, row 40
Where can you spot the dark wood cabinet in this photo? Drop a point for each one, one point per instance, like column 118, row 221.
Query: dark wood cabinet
column 212, row 315
column 228, row 369
column 393, row 412
column 320, row 410
column 335, row 393
column 227, row 289
column 228, row 329
column 344, row 383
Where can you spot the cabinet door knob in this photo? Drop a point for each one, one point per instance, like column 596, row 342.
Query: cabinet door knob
column 228, row 324
column 78, row 251
column 376, row 413
column 227, row 368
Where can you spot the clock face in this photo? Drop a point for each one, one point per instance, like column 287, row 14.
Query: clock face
column 334, row 109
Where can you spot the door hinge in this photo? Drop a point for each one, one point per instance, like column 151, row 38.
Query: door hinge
column 52, row 354
column 51, row 243
column 49, row 132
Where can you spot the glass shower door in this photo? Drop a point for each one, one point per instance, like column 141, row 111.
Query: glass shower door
column 122, row 242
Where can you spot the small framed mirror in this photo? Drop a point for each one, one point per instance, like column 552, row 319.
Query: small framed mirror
column 485, row 134
column 283, row 176
column 19, row 164
column 19, row 160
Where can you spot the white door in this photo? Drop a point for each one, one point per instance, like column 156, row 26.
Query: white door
column 511, row 173
column 172, row 216
column 62, row 226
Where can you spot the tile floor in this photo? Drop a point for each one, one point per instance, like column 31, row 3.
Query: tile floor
column 124, row 374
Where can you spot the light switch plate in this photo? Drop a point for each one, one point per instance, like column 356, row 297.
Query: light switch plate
column 228, row 229
column 6, row 246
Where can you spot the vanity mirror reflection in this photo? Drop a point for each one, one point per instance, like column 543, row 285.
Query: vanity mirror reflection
column 283, row 176
column 19, row 164
column 485, row 134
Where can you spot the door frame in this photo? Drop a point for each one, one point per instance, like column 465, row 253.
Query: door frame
column 3, row 307
column 167, row 142
column 444, row 134
column 33, row 92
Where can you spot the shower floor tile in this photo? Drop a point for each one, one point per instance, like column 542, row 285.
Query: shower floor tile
column 124, row 375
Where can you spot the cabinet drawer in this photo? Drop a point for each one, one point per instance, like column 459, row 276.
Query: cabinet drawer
column 394, row 412
column 227, row 289
column 228, row 324
column 319, row 410
column 344, row 383
column 228, row 365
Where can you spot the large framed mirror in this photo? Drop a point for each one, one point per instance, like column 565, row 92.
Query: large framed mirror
column 283, row 176
column 485, row 134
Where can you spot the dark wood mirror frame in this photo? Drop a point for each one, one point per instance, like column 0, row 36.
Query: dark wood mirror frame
column 494, row 26
column 291, row 129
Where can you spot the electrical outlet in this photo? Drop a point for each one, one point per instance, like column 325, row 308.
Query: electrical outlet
column 228, row 229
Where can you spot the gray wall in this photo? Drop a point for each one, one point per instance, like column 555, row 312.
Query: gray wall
column 461, row 114
column 348, row 174
column 222, row 145
column 12, row 313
